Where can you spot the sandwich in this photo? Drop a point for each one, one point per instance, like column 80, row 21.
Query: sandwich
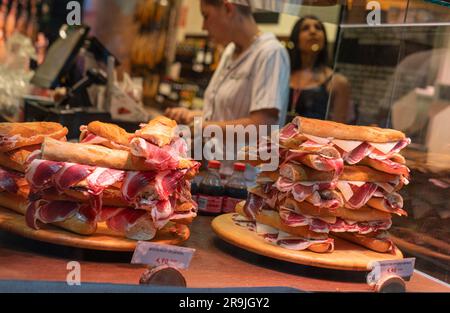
column 19, row 144
column 336, row 180
column 109, row 135
column 363, row 145
column 93, row 184
column 153, row 147
column 268, row 224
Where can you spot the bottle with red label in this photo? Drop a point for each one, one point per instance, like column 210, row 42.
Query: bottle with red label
column 235, row 189
column 211, row 191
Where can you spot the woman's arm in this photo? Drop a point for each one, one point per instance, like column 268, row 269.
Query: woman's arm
column 261, row 117
column 183, row 115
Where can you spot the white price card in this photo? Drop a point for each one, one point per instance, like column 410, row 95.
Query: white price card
column 403, row 268
column 158, row 254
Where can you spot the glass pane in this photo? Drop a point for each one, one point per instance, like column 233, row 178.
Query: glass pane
column 399, row 72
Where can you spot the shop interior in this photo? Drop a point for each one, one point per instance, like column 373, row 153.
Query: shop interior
column 132, row 60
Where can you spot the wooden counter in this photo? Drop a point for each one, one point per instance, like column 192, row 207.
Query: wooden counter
column 216, row 264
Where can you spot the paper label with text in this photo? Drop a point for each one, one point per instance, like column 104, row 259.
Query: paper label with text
column 157, row 254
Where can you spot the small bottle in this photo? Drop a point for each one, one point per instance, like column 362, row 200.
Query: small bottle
column 195, row 185
column 235, row 189
column 211, row 191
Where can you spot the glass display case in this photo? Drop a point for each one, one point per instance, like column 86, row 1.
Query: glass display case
column 400, row 77
column 389, row 67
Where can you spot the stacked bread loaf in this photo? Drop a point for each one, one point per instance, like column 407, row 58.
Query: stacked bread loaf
column 333, row 180
column 19, row 142
column 133, row 185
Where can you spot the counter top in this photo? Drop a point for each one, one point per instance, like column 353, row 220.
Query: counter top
column 216, row 264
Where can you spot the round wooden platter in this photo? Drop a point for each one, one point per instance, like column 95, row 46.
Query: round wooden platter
column 346, row 255
column 102, row 240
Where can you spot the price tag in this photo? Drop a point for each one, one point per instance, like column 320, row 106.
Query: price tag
column 403, row 268
column 157, row 254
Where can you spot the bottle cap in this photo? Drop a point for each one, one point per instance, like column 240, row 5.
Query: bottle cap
column 214, row 164
column 240, row 167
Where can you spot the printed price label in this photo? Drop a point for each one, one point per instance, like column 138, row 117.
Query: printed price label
column 157, row 254
column 403, row 268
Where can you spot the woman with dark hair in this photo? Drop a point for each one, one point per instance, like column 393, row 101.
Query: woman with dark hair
column 315, row 91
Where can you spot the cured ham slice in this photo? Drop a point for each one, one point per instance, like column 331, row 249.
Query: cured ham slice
column 162, row 213
column 50, row 212
column 123, row 219
column 378, row 155
column 299, row 244
column 144, row 188
column 357, row 154
column 160, row 159
column 293, row 219
column 326, row 199
column 103, row 178
column 71, row 174
column 40, row 173
column 253, row 205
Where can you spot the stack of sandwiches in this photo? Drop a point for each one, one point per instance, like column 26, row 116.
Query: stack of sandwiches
column 334, row 180
column 131, row 185
column 19, row 143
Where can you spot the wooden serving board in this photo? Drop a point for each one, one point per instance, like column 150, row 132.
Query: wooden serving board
column 101, row 240
column 346, row 255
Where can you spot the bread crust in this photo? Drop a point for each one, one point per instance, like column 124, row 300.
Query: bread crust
column 100, row 156
column 341, row 131
column 297, row 173
column 380, row 166
column 274, row 220
column 111, row 197
column 364, row 214
column 94, row 155
column 111, row 132
column 19, row 135
column 378, row 245
column 15, row 203
column 78, row 225
column 159, row 131
column 366, row 174
column 381, row 205
column 17, row 159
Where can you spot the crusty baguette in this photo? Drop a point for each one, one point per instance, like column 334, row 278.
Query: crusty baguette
column 17, row 159
column 382, row 167
column 380, row 204
column 366, row 174
column 327, row 129
column 15, row 203
column 18, row 135
column 364, row 214
column 159, row 131
column 296, row 173
column 79, row 225
column 54, row 150
column 272, row 219
column 100, row 156
column 75, row 224
column 111, row 132
column 378, row 245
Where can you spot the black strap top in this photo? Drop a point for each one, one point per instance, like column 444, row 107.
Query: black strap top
column 310, row 102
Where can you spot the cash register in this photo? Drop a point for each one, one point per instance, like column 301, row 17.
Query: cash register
column 61, row 68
